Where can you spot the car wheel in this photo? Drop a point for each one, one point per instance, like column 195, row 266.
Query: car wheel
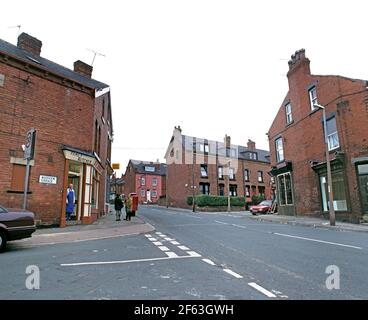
column 253, row 213
column 2, row 241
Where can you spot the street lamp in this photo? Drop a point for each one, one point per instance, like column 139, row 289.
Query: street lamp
column 329, row 176
column 228, row 189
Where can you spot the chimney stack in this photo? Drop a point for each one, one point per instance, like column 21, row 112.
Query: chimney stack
column 29, row 43
column 299, row 59
column 83, row 68
column 227, row 141
column 251, row 145
column 178, row 128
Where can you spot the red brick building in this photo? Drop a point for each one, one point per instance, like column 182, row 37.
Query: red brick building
column 146, row 179
column 204, row 164
column 71, row 114
column 297, row 144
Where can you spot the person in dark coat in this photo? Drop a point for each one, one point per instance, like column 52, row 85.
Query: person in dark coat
column 118, row 206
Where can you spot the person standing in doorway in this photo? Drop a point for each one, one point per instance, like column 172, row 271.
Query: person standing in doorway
column 70, row 201
column 118, row 206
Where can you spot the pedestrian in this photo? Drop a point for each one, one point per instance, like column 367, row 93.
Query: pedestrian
column 128, row 207
column 118, row 206
column 70, row 202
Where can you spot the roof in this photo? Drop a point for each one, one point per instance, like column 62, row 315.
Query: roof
column 39, row 62
column 242, row 151
column 140, row 167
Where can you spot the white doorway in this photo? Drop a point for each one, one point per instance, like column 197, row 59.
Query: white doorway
column 148, row 196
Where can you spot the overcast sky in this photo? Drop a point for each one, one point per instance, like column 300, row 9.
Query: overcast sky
column 212, row 67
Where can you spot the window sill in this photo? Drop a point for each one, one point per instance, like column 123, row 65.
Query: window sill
column 289, row 124
column 18, row 192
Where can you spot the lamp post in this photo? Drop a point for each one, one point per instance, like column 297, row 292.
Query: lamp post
column 329, row 176
column 228, row 189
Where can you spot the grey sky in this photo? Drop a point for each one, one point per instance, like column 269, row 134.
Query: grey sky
column 213, row 67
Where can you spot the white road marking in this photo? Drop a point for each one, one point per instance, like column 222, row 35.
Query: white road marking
column 157, row 243
column 152, row 239
column 175, row 242
column 162, row 236
column 209, row 262
column 158, row 233
column 236, row 275
column 262, row 290
column 221, row 222
column 147, row 235
column 321, row 241
column 238, row 226
column 169, row 239
column 171, row 255
column 193, row 254
column 183, row 248
column 163, row 248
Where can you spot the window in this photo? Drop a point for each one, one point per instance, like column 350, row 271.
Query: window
column 233, row 153
column 149, row 169
column 261, row 191
column 246, row 174
column 18, row 177
column 154, row 194
column 313, row 97
column 154, row 182
column 233, row 190
column 332, row 136
column 204, row 173
column 339, row 192
column 260, row 176
column 289, row 116
column 2, row 80
column 252, row 155
column 221, row 189
column 95, row 188
column 204, row 147
column 231, row 174
column 143, row 193
column 204, row 188
column 221, row 172
column 285, row 189
column 279, row 150
column 247, row 191
column 143, row 181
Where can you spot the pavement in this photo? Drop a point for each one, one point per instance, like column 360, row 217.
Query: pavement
column 104, row 228
column 293, row 220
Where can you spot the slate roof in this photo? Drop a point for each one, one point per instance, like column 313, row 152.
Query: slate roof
column 243, row 152
column 139, row 167
column 39, row 62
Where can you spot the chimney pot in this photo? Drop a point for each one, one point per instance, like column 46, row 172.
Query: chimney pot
column 29, row 43
column 83, row 68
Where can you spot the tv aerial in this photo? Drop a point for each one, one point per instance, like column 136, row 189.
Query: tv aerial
column 95, row 53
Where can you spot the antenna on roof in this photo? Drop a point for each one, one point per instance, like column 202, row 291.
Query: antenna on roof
column 18, row 26
column 95, row 53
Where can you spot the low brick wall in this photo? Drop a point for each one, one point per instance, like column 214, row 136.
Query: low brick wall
column 219, row 209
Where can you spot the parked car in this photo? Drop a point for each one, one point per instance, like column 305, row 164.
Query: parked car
column 15, row 224
column 263, row 207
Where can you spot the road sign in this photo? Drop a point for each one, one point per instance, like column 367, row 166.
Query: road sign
column 116, row 166
column 30, row 144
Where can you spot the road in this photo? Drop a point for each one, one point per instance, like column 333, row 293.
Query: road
column 195, row 256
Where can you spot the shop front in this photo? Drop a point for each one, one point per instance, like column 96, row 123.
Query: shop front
column 83, row 171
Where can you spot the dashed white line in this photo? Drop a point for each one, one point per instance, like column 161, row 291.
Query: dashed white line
column 163, row 248
column 238, row 226
column 209, row 262
column 162, row 235
column 157, row 243
column 262, row 290
column 236, row 275
column 193, row 254
column 320, row 241
column 152, row 239
column 171, row 254
column 221, row 222
column 169, row 239
column 183, row 248
column 158, row 232
column 175, row 243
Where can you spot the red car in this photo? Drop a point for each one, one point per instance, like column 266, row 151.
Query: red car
column 15, row 224
column 263, row 207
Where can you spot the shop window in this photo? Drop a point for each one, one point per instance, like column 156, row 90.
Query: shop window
column 95, row 188
column 338, row 189
column 285, row 189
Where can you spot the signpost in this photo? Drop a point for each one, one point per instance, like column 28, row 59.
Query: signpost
column 28, row 155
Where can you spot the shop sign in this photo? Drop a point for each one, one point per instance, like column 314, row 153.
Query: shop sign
column 48, row 179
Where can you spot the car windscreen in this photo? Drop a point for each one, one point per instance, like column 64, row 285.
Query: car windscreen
column 2, row 210
column 265, row 203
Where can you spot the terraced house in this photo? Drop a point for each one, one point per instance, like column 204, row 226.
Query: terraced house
column 201, row 166
column 71, row 113
column 297, row 145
